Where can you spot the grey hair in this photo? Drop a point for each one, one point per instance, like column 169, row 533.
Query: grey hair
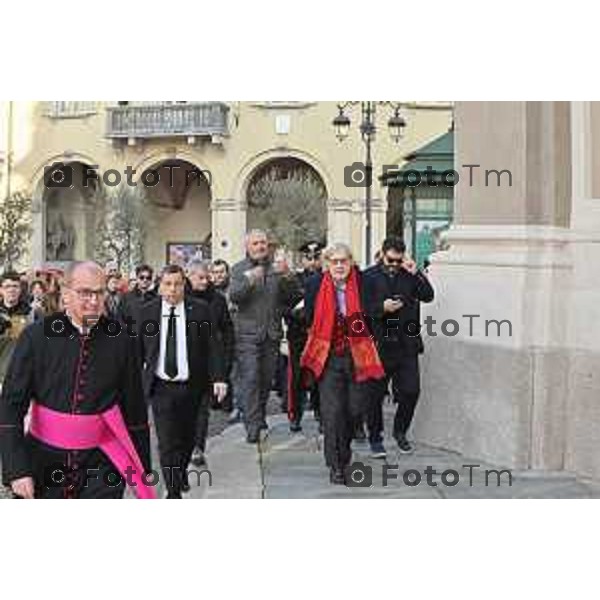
column 255, row 232
column 199, row 265
column 336, row 248
column 75, row 266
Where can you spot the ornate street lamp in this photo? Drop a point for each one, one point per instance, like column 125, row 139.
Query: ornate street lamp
column 368, row 129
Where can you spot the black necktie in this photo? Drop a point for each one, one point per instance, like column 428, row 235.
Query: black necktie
column 171, row 353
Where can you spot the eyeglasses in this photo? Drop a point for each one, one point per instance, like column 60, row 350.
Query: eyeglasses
column 145, row 278
column 85, row 295
column 339, row 261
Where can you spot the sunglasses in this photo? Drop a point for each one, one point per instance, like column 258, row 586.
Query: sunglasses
column 393, row 261
column 144, row 278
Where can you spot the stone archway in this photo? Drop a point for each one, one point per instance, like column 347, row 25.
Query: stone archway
column 287, row 197
column 64, row 229
column 179, row 220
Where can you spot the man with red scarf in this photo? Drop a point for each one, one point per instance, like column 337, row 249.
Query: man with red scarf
column 339, row 354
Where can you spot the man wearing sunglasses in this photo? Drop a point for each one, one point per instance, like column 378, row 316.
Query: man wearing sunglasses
column 143, row 294
column 393, row 291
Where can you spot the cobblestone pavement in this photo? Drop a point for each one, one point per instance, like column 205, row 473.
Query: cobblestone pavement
column 217, row 424
column 286, row 465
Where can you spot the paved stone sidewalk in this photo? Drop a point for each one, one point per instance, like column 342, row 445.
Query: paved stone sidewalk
column 286, row 465
column 289, row 465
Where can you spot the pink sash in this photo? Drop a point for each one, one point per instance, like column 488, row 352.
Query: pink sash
column 106, row 431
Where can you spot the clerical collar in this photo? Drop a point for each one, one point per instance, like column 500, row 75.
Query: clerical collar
column 80, row 328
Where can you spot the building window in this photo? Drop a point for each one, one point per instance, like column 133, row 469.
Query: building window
column 70, row 109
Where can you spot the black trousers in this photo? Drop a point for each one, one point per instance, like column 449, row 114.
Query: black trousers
column 294, row 378
column 405, row 380
column 175, row 408
column 202, row 422
column 342, row 402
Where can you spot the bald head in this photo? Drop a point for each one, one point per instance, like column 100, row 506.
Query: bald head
column 84, row 290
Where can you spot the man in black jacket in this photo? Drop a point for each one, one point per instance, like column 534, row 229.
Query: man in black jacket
column 132, row 302
column 202, row 289
column 182, row 358
column 393, row 291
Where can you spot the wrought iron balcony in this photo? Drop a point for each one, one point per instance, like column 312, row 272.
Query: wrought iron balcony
column 190, row 119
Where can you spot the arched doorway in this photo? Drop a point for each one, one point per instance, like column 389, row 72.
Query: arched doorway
column 69, row 210
column 287, row 197
column 179, row 221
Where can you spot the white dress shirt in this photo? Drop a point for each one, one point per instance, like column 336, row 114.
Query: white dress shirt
column 183, row 371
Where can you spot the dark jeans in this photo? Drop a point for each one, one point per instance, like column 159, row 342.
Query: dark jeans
column 175, row 408
column 342, row 402
column 255, row 366
column 405, row 381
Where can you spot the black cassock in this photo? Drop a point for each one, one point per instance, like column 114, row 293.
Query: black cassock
column 74, row 374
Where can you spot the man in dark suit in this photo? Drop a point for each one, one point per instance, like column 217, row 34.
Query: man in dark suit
column 181, row 359
column 198, row 273
column 393, row 291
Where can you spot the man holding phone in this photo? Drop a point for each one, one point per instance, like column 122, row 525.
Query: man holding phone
column 393, row 291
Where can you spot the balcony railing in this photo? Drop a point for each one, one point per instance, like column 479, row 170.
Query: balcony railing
column 68, row 109
column 167, row 120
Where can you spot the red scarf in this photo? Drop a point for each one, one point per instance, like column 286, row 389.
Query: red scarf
column 316, row 352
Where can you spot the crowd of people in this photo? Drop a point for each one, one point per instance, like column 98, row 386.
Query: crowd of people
column 329, row 337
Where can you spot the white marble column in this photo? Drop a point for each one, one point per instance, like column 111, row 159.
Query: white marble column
column 501, row 397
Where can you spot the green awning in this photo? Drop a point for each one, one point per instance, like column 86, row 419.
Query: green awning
column 437, row 154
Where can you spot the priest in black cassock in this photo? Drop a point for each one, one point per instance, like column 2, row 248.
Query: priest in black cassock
column 87, row 428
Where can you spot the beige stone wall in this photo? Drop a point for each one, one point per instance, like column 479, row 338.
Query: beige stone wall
column 529, row 254
column 39, row 140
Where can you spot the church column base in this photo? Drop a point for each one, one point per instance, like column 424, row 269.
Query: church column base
column 492, row 396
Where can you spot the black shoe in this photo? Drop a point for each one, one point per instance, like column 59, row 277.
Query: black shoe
column 336, row 476
column 404, row 446
column 264, row 425
column 295, row 427
column 198, row 458
column 253, row 437
column 359, row 433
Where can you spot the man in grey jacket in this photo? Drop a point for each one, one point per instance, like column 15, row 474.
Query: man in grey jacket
column 255, row 292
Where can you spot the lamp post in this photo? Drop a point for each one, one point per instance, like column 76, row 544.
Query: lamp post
column 368, row 129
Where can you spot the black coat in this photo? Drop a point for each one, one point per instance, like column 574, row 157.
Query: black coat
column 71, row 374
column 221, row 320
column 395, row 332
column 132, row 303
column 205, row 350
